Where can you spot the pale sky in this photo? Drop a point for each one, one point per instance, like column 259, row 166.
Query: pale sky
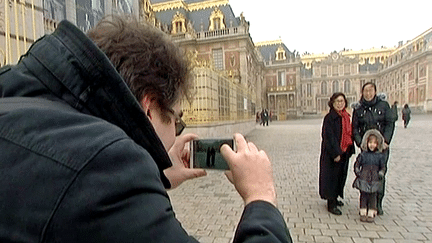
column 323, row 26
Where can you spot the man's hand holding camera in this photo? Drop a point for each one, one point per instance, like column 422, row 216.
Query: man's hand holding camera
column 250, row 168
column 180, row 157
column 250, row 171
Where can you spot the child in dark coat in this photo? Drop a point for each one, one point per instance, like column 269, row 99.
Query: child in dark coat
column 369, row 169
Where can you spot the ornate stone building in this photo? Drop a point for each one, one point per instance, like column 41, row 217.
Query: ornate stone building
column 345, row 71
column 282, row 79
column 233, row 76
column 21, row 23
column 406, row 75
column 227, row 67
column 24, row 21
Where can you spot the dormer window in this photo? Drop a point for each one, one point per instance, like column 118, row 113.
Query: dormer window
column 178, row 24
column 178, row 27
column 217, row 23
column 280, row 53
column 280, row 56
column 217, row 20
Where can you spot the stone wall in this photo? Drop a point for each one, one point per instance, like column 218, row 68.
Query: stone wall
column 221, row 130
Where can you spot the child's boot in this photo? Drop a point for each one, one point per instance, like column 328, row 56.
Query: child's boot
column 363, row 216
column 371, row 215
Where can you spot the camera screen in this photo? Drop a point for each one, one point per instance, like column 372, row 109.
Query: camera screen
column 206, row 153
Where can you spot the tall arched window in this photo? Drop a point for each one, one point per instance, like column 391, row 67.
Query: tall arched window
column 335, row 86
column 347, row 86
column 324, row 88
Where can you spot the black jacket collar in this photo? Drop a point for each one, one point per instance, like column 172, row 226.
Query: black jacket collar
column 77, row 72
column 333, row 114
column 370, row 103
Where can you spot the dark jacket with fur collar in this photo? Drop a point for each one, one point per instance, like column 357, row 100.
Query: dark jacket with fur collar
column 80, row 161
column 370, row 165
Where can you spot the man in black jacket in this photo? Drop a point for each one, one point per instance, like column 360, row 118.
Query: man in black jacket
column 88, row 142
column 373, row 113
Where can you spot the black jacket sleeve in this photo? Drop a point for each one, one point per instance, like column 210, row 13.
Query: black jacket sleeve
column 330, row 136
column 382, row 164
column 358, row 165
column 119, row 197
column 356, row 129
column 389, row 123
column 261, row 222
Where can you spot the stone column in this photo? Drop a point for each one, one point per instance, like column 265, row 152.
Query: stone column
column 71, row 11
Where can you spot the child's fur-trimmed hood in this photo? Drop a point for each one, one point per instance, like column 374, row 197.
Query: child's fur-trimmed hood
column 377, row 134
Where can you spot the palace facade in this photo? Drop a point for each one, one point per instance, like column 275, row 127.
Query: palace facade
column 234, row 78
column 406, row 75
column 345, row 71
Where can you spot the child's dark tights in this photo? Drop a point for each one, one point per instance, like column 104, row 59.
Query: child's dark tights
column 368, row 200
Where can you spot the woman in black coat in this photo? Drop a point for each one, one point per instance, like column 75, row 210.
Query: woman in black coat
column 336, row 149
column 406, row 115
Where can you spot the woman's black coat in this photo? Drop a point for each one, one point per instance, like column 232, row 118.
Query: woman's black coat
column 333, row 174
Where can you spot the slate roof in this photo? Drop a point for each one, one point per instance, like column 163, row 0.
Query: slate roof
column 373, row 68
column 198, row 17
column 193, row 1
column 158, row 1
column 269, row 51
column 186, row 1
column 306, row 73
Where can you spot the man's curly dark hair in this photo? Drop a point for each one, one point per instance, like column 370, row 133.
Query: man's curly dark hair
column 145, row 57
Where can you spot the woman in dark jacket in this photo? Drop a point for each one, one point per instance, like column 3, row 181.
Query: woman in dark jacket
column 336, row 149
column 406, row 115
column 373, row 113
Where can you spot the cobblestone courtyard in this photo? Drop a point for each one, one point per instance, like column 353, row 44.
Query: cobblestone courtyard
column 209, row 208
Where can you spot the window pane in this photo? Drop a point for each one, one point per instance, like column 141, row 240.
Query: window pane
column 281, row 78
column 218, row 59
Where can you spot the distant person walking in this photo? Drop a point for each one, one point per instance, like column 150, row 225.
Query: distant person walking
column 395, row 110
column 373, row 113
column 336, row 149
column 210, row 161
column 369, row 169
column 258, row 117
column 406, row 115
column 265, row 117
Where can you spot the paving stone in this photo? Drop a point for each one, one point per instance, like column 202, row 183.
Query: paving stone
column 408, row 241
column 418, row 229
column 323, row 239
column 306, row 238
column 392, row 235
column 209, row 208
column 313, row 232
column 342, row 239
column 413, row 236
column 368, row 234
column 384, row 241
column 351, row 233
column 361, row 240
column 329, row 232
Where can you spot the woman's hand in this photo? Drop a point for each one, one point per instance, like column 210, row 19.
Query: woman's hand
column 338, row 158
column 180, row 158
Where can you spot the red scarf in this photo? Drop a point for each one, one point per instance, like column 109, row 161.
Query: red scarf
column 346, row 140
